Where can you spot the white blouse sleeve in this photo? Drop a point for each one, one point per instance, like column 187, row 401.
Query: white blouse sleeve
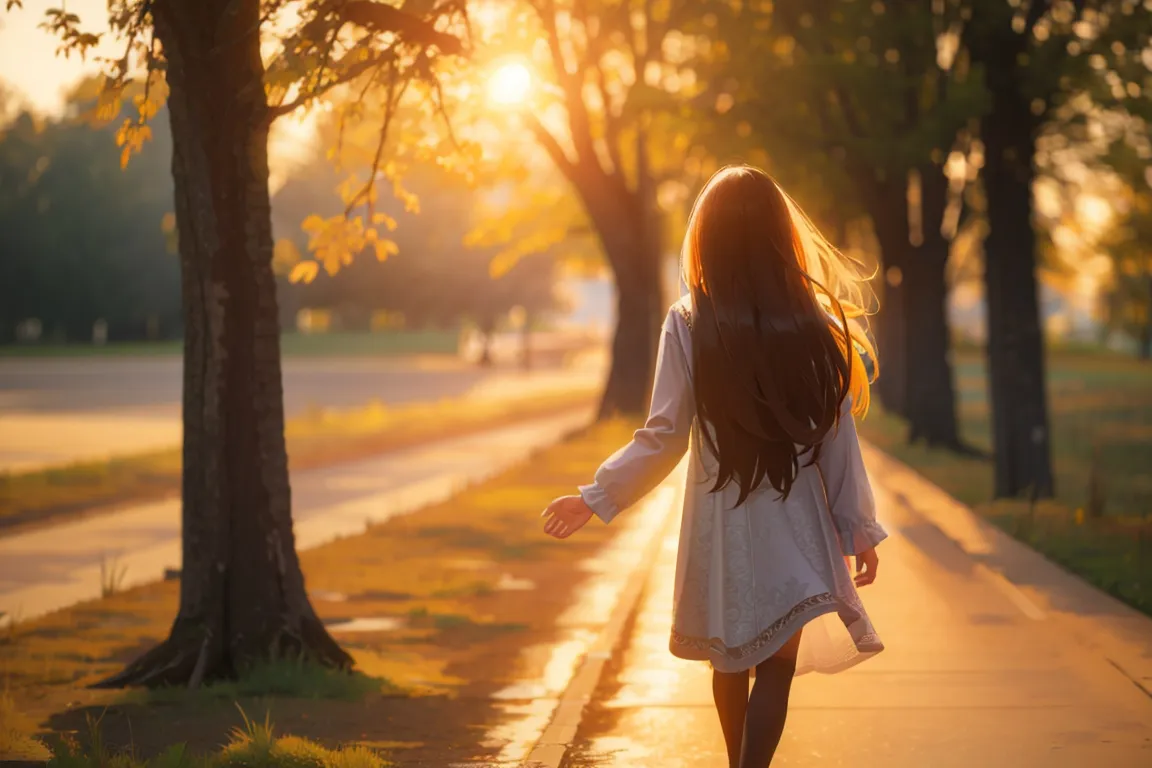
column 849, row 491
column 657, row 447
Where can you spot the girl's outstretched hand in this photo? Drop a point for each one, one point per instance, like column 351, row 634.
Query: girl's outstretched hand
column 866, row 564
column 565, row 516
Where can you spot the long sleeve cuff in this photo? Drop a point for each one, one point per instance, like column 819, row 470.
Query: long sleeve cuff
column 859, row 536
column 598, row 501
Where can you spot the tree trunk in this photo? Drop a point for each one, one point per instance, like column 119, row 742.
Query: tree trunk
column 627, row 224
column 929, row 391
column 526, row 343
column 487, row 328
column 242, row 596
column 1146, row 333
column 888, row 208
column 1015, row 339
column 639, row 313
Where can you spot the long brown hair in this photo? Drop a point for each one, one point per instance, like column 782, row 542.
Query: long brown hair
column 776, row 341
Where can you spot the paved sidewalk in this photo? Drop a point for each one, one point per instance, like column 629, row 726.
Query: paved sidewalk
column 974, row 675
column 49, row 568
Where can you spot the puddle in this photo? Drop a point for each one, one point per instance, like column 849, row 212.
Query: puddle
column 372, row 624
column 516, row 737
column 593, row 604
column 509, row 583
column 560, row 661
column 529, row 704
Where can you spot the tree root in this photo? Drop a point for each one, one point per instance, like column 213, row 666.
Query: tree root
column 193, row 654
column 173, row 662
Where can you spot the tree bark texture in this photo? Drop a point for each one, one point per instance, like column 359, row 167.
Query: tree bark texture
column 1016, row 365
column 626, row 223
column 930, row 396
column 888, row 208
column 1145, row 341
column 242, row 595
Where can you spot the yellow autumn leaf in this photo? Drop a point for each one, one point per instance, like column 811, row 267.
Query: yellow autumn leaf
column 107, row 105
column 312, row 224
column 332, row 261
column 122, row 133
column 304, row 272
column 385, row 248
column 285, row 256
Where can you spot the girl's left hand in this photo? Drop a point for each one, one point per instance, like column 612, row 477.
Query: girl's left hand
column 565, row 516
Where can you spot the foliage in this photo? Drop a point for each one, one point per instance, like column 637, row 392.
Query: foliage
column 432, row 277
column 847, row 95
column 67, row 209
column 1128, row 297
column 615, row 114
column 366, row 56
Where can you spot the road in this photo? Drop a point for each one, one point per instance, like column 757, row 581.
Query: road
column 54, row 411
column 47, row 569
column 975, row 674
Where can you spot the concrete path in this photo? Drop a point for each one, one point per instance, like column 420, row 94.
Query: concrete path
column 47, row 569
column 977, row 672
column 62, row 410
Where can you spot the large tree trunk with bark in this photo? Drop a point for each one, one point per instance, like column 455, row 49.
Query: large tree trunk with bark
column 1015, row 338
column 627, row 223
column 242, row 596
column 929, row 390
column 1145, row 342
column 639, row 312
column 888, row 208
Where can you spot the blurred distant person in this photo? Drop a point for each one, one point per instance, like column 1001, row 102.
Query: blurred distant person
column 760, row 371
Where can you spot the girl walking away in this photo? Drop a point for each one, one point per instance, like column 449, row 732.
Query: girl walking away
column 758, row 376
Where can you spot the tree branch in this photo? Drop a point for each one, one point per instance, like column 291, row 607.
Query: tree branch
column 572, row 84
column 392, row 99
column 381, row 18
column 353, row 71
column 546, row 140
column 592, row 58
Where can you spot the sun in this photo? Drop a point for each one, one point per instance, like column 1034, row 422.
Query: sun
column 510, row 84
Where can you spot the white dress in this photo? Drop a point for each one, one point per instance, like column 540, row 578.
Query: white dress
column 748, row 577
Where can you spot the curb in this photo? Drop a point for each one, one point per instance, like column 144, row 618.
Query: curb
column 554, row 743
column 1041, row 589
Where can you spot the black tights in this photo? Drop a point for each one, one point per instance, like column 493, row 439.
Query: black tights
column 753, row 723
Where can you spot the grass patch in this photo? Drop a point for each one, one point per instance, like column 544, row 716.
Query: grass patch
column 253, row 745
column 290, row 678
column 16, row 729
column 349, row 344
column 450, row 635
column 316, row 439
column 1100, row 524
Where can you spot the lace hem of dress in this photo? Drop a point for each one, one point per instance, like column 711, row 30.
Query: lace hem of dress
column 706, row 645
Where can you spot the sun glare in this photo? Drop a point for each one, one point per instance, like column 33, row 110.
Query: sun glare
column 509, row 85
